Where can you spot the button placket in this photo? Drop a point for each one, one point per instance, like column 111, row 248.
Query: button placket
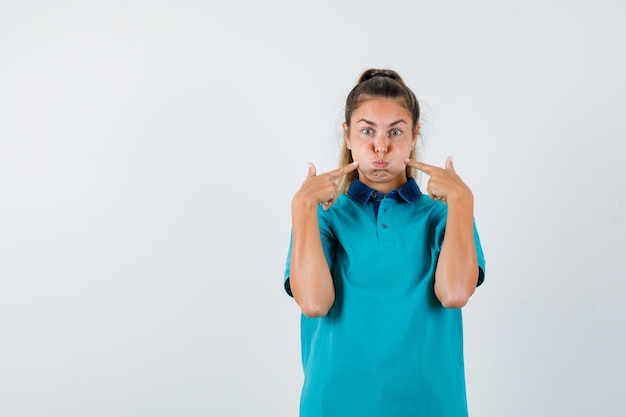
column 384, row 235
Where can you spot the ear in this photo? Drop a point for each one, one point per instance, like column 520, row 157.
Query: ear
column 346, row 135
column 416, row 133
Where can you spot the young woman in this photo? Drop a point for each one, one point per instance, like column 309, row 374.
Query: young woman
column 380, row 270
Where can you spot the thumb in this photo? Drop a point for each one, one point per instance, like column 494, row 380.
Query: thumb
column 450, row 164
column 312, row 171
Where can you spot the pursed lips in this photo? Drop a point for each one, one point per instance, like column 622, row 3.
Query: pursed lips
column 380, row 163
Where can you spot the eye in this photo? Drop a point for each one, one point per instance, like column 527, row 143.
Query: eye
column 395, row 132
column 367, row 131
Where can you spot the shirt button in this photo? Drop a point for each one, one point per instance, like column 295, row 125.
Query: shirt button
column 384, row 226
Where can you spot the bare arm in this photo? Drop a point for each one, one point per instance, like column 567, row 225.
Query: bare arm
column 457, row 272
column 310, row 279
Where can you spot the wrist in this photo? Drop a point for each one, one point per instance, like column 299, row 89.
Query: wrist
column 464, row 198
column 301, row 203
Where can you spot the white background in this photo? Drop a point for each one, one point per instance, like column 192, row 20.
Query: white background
column 149, row 151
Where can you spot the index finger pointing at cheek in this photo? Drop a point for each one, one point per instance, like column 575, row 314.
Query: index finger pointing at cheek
column 344, row 170
column 420, row 166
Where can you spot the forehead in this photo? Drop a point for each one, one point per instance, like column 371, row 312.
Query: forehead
column 380, row 109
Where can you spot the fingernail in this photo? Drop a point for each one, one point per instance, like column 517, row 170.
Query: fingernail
column 407, row 160
column 451, row 158
column 355, row 163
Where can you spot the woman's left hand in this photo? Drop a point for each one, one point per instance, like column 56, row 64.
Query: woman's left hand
column 444, row 183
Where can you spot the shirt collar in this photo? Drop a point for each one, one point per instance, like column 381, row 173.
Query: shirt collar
column 361, row 193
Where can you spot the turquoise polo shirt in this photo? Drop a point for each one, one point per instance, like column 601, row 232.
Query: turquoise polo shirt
column 387, row 347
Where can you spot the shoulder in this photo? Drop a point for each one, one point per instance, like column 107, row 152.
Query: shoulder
column 344, row 202
column 345, row 211
column 434, row 207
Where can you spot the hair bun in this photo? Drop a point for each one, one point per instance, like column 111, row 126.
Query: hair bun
column 380, row 74
column 386, row 73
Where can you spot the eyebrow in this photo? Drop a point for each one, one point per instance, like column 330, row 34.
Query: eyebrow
column 369, row 122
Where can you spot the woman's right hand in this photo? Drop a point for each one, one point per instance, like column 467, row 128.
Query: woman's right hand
column 321, row 189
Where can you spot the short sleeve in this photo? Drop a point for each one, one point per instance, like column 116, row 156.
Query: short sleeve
column 480, row 257
column 328, row 243
column 287, row 268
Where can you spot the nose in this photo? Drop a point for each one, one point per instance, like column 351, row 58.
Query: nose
column 380, row 146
